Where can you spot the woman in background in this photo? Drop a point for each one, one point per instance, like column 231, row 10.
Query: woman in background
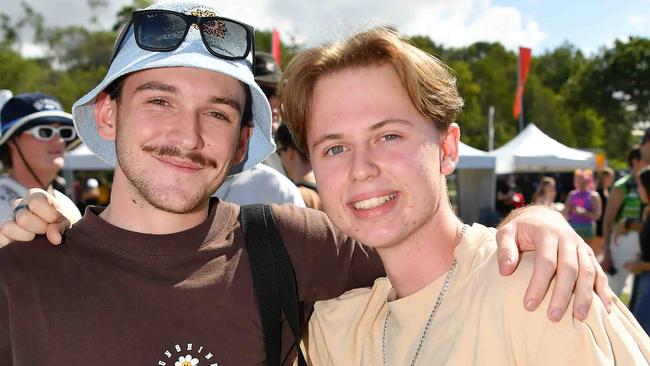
column 605, row 181
column 583, row 206
column 546, row 193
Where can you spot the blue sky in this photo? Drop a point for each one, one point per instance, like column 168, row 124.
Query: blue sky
column 535, row 23
column 588, row 24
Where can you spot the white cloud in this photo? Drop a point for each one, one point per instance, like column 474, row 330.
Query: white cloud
column 639, row 22
column 452, row 23
column 311, row 22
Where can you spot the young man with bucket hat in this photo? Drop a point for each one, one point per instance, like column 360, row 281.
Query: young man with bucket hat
column 161, row 276
column 35, row 134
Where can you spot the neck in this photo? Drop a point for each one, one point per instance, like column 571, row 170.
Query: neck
column 308, row 176
column 130, row 211
column 23, row 176
column 426, row 255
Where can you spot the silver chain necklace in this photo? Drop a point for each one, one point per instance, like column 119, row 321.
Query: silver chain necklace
column 427, row 326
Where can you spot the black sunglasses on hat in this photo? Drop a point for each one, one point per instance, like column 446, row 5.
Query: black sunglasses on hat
column 164, row 31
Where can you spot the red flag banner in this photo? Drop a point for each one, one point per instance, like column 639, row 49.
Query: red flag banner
column 275, row 47
column 524, row 67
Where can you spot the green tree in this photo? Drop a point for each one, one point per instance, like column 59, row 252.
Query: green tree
column 473, row 120
column 21, row 75
column 546, row 109
column 555, row 67
column 615, row 84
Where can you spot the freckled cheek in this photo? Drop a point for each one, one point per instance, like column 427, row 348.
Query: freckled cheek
column 330, row 193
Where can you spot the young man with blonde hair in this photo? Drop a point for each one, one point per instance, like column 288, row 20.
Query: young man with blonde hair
column 377, row 118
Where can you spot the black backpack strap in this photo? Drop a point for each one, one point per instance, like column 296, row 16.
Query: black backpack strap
column 274, row 280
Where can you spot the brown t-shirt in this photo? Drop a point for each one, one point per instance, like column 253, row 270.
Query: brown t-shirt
column 109, row 296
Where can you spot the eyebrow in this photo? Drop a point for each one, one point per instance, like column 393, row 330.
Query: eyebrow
column 156, row 85
column 381, row 124
column 376, row 126
column 227, row 101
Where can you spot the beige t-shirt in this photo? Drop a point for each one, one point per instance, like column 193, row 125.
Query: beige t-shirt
column 482, row 321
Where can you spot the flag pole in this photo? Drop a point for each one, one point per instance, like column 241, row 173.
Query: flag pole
column 521, row 101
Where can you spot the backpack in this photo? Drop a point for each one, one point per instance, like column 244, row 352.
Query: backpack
column 274, row 280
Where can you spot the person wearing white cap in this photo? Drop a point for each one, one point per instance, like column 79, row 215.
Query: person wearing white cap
column 35, row 132
column 163, row 274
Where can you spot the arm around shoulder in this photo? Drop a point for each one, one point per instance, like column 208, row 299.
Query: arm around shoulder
column 601, row 339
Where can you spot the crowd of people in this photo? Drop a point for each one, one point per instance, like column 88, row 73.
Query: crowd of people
column 609, row 214
column 168, row 274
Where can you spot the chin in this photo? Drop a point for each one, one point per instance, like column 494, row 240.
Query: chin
column 58, row 161
column 175, row 200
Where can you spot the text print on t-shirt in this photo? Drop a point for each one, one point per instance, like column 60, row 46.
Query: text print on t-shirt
column 187, row 356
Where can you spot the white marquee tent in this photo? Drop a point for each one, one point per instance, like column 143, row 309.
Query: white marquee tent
column 82, row 158
column 534, row 151
column 476, row 183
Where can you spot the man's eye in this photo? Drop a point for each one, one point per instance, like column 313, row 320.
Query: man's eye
column 390, row 137
column 219, row 115
column 161, row 102
column 335, row 150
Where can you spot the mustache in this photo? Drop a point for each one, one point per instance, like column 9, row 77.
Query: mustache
column 175, row 151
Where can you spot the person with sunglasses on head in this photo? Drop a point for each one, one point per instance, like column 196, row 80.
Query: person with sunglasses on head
column 35, row 134
column 163, row 275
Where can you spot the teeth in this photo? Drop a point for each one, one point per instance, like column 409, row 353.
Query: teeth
column 373, row 202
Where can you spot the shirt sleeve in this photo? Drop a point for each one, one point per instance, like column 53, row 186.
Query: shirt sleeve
column 326, row 262
column 601, row 339
column 5, row 334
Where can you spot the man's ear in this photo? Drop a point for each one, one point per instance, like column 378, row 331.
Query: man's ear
column 449, row 149
column 292, row 153
column 106, row 116
column 242, row 144
column 11, row 144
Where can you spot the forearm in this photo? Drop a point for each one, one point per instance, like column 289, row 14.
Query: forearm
column 611, row 210
column 643, row 266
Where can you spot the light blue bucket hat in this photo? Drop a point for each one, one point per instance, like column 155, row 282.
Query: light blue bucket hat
column 191, row 53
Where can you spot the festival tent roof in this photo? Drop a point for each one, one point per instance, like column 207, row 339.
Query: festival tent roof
column 472, row 158
column 534, row 151
column 82, row 158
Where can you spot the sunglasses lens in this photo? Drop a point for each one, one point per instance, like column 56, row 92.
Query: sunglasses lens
column 67, row 133
column 225, row 38
column 160, row 30
column 45, row 132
